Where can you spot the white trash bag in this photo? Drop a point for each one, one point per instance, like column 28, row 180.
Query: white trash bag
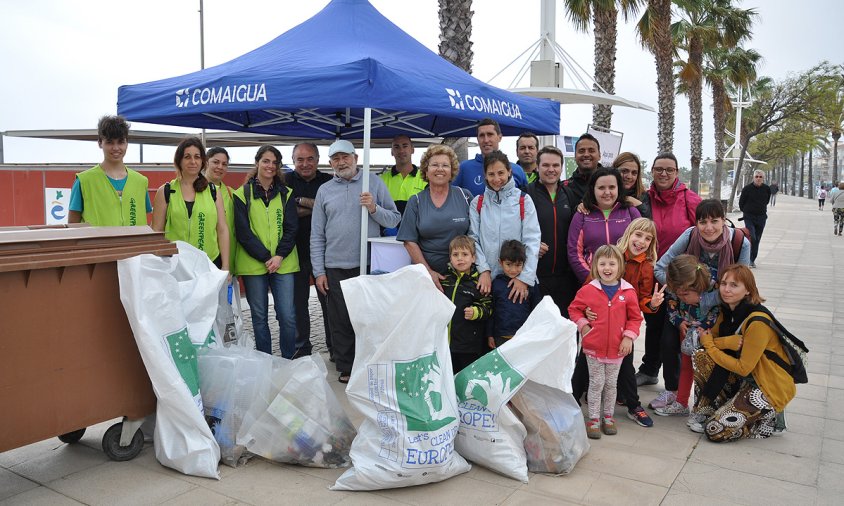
column 298, row 419
column 171, row 305
column 401, row 382
column 556, row 435
column 230, row 378
column 543, row 350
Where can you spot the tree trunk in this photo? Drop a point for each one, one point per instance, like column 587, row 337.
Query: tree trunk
column 695, row 95
column 800, row 183
column 794, row 175
column 606, row 31
column 835, row 136
column 811, row 184
column 664, row 59
column 456, row 47
column 719, row 117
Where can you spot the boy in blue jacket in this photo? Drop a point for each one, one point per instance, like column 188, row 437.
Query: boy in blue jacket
column 466, row 329
column 508, row 315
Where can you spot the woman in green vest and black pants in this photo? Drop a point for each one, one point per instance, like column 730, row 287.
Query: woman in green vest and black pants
column 187, row 208
column 265, row 226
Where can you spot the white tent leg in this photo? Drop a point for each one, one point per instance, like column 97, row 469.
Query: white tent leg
column 364, row 212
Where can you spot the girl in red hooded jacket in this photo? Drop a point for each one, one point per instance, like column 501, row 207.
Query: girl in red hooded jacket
column 609, row 337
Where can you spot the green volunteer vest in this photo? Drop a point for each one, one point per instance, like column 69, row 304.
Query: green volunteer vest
column 200, row 230
column 103, row 207
column 402, row 188
column 228, row 206
column 267, row 223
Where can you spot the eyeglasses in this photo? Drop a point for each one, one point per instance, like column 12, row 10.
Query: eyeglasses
column 664, row 170
column 758, row 177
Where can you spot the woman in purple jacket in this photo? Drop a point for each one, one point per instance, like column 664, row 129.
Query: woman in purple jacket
column 609, row 215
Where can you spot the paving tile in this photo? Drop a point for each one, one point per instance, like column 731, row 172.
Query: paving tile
column 40, row 496
column 820, row 379
column 685, row 499
column 266, row 483
column 806, row 407
column 754, row 456
column 740, row 487
column 804, row 424
column 570, row 487
column 613, row 490
column 521, row 497
column 480, row 473
column 12, row 484
column 63, row 461
column 120, row 483
column 458, row 490
column 366, row 499
column 830, row 478
column 640, row 464
column 834, row 429
column 14, row 457
column 812, row 392
column 201, row 497
column 833, row 451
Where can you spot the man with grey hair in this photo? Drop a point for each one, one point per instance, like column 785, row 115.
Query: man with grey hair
column 305, row 180
column 335, row 240
column 754, row 206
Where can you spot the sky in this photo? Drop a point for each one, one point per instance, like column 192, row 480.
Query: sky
column 62, row 62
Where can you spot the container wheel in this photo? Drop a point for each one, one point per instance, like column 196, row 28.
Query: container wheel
column 72, row 437
column 112, row 448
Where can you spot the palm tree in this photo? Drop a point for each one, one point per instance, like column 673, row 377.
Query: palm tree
column 604, row 16
column 655, row 35
column 704, row 23
column 735, row 66
column 456, row 47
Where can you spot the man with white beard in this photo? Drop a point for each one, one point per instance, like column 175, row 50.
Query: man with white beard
column 335, row 240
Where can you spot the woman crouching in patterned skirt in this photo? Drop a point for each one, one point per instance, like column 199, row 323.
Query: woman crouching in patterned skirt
column 738, row 388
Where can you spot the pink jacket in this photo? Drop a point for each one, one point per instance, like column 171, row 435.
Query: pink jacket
column 673, row 211
column 610, row 326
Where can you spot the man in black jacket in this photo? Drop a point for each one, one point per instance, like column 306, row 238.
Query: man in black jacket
column 554, row 211
column 587, row 156
column 754, row 205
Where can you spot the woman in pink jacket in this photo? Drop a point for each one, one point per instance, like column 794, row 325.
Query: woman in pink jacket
column 673, row 211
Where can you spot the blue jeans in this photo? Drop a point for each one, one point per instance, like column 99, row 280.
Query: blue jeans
column 285, row 310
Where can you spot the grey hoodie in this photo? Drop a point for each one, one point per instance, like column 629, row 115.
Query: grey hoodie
column 335, row 223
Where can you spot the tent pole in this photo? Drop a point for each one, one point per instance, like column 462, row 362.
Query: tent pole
column 364, row 212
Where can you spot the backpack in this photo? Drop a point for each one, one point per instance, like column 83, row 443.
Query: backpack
column 521, row 204
column 794, row 348
column 738, row 239
column 168, row 191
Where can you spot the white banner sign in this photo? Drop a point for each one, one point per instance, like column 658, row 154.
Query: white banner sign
column 56, row 204
column 610, row 144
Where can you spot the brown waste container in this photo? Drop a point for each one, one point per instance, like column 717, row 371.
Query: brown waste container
column 69, row 359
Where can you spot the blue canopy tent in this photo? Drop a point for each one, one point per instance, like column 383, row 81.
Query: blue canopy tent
column 347, row 72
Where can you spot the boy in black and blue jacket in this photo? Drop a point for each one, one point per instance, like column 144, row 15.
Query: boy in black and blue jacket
column 466, row 329
column 508, row 314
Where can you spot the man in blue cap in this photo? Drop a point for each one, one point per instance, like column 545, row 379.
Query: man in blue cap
column 335, row 240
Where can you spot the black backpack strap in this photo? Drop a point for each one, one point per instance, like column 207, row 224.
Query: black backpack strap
column 213, row 191
column 737, row 243
column 167, row 192
column 768, row 353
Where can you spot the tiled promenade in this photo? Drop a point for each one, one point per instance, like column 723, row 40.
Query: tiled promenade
column 667, row 464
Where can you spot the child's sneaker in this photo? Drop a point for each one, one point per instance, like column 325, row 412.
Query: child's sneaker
column 593, row 429
column 664, row 398
column 673, row 409
column 696, row 422
column 639, row 416
column 608, row 426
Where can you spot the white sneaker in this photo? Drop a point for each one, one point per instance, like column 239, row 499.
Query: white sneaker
column 664, row 398
column 695, row 422
column 673, row 409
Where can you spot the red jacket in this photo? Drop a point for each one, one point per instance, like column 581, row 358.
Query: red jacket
column 610, row 326
column 673, row 211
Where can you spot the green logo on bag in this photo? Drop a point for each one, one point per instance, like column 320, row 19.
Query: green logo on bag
column 417, row 389
column 483, row 387
column 184, row 355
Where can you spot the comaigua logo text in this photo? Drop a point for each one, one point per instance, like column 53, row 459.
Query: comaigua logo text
column 465, row 101
column 231, row 94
